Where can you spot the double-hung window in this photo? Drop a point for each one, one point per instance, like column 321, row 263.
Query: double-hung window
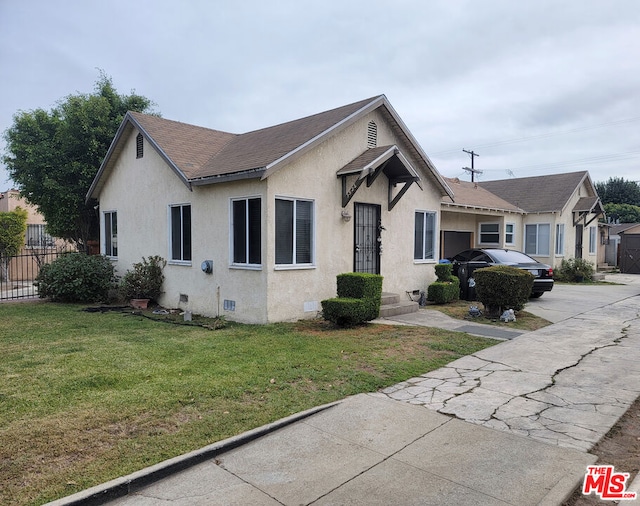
column 180, row 230
column 294, row 232
column 559, row 239
column 489, row 233
column 111, row 234
column 424, row 235
column 246, row 229
column 509, row 233
column 536, row 241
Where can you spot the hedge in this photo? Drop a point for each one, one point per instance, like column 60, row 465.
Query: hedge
column 358, row 301
column 503, row 287
column 446, row 288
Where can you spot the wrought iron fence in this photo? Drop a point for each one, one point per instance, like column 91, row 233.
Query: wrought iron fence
column 18, row 273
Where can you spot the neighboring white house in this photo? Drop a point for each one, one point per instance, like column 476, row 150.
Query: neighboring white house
column 549, row 217
column 257, row 226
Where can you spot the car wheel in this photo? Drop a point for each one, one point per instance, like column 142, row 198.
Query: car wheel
column 536, row 295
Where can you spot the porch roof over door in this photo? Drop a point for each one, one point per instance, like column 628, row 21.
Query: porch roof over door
column 388, row 160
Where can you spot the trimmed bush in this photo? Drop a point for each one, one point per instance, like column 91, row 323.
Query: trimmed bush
column 358, row 301
column 575, row 270
column 76, row 277
column 446, row 288
column 503, row 287
column 145, row 280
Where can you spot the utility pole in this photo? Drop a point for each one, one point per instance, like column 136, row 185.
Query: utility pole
column 472, row 169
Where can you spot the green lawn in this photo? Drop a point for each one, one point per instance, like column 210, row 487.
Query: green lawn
column 86, row 397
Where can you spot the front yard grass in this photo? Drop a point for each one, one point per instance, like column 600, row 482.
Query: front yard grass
column 86, row 397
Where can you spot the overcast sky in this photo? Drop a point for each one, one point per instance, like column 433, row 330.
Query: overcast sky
column 534, row 87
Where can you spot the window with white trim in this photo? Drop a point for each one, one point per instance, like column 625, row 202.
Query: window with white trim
column 510, row 233
column 536, row 240
column 489, row 233
column 592, row 240
column 424, row 243
column 111, row 234
column 246, row 231
column 559, row 250
column 294, row 232
column 180, row 230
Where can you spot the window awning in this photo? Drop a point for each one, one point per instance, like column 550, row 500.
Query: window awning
column 388, row 160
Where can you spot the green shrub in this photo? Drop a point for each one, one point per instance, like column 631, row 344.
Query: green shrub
column 575, row 269
column 446, row 288
column 144, row 280
column 76, row 277
column 503, row 287
column 358, row 301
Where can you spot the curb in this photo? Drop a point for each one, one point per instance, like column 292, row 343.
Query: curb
column 130, row 483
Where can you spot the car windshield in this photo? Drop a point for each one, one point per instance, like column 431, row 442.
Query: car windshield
column 510, row 257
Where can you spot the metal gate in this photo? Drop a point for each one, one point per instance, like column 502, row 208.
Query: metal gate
column 367, row 238
column 630, row 253
column 18, row 273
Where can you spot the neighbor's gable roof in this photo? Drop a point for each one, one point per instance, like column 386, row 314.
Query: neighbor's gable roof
column 473, row 196
column 539, row 194
column 203, row 156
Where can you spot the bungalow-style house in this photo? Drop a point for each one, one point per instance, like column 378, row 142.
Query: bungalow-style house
column 256, row 226
column 548, row 217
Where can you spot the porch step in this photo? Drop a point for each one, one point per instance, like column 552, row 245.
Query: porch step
column 606, row 268
column 393, row 306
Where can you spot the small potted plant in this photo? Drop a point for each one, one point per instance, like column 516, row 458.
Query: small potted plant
column 143, row 283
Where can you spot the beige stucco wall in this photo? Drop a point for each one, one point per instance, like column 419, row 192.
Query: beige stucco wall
column 140, row 190
column 314, row 177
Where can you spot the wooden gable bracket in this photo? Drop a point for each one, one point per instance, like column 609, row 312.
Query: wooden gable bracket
column 372, row 177
column 582, row 216
column 347, row 195
column 407, row 184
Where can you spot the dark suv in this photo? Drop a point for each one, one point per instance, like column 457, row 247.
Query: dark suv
column 472, row 259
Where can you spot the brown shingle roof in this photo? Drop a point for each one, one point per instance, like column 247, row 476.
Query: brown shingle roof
column 189, row 147
column 537, row 194
column 257, row 149
column 468, row 194
column 202, row 156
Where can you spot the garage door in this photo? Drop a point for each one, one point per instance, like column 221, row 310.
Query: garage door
column 630, row 253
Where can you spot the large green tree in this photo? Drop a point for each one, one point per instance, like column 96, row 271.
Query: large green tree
column 617, row 190
column 622, row 213
column 53, row 156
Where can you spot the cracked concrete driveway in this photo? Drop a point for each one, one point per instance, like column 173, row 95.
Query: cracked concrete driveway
column 565, row 384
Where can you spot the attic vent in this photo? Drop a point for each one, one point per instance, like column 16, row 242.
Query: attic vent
column 139, row 146
column 372, row 134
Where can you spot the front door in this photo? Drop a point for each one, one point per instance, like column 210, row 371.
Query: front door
column 367, row 238
column 579, row 234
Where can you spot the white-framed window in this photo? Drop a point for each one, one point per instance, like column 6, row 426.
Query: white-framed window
column 536, row 240
column 510, row 233
column 111, row 234
column 559, row 250
column 424, row 235
column 37, row 237
column 246, row 231
column 489, row 233
column 593, row 237
column 295, row 232
column 180, row 233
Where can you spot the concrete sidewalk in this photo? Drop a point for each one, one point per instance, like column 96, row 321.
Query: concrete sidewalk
column 510, row 424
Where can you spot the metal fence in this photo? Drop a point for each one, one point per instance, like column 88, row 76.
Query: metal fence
column 18, row 273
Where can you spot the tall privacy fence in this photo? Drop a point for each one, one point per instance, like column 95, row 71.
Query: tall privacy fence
column 18, row 273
